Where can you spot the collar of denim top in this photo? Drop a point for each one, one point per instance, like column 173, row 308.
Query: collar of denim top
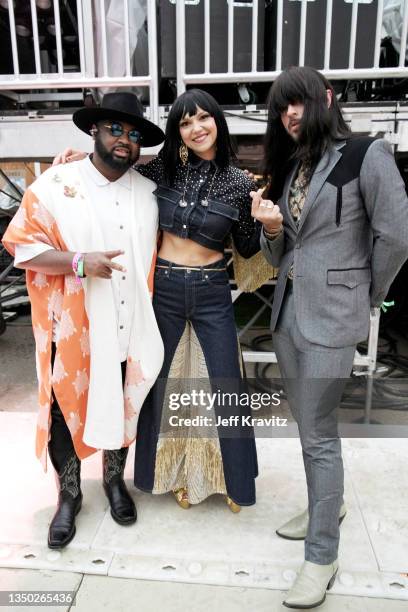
column 198, row 162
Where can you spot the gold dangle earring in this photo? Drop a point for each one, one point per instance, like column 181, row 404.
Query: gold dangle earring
column 183, row 153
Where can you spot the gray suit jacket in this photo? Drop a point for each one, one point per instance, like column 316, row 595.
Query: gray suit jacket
column 342, row 270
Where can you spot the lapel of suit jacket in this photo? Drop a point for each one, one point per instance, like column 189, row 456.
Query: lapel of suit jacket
column 285, row 197
column 324, row 167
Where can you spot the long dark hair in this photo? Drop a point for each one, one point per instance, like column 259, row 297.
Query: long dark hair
column 187, row 103
column 320, row 126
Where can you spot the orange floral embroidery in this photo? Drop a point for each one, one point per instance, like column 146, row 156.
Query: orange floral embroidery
column 69, row 192
column 58, row 372
column 134, row 374
column 72, row 284
column 67, row 327
column 130, row 412
column 19, row 219
column 81, row 383
column 40, row 280
column 55, row 304
column 49, row 295
column 84, row 342
column 41, row 338
column 71, row 367
column 43, row 417
column 73, row 423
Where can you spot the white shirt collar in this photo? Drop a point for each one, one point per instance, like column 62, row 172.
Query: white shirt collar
column 101, row 180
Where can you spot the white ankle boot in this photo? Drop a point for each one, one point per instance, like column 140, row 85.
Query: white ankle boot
column 311, row 584
column 296, row 528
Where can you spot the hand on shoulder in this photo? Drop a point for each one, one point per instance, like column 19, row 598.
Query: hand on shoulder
column 68, row 155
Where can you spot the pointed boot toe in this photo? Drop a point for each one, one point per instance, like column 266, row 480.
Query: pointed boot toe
column 310, row 586
column 62, row 527
column 123, row 509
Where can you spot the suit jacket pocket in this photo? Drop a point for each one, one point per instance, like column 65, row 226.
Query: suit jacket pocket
column 218, row 220
column 350, row 277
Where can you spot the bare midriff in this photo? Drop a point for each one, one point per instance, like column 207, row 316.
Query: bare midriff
column 186, row 252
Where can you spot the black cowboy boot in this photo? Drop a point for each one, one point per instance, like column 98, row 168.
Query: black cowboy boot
column 123, row 509
column 62, row 527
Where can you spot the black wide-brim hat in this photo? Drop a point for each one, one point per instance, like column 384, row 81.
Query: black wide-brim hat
column 120, row 106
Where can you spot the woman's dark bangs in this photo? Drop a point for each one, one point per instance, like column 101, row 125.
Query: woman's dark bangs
column 179, row 109
column 193, row 99
column 189, row 108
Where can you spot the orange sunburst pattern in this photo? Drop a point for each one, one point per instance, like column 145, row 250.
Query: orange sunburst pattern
column 55, row 297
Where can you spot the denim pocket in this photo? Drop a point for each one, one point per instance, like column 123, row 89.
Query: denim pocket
column 218, row 220
column 168, row 201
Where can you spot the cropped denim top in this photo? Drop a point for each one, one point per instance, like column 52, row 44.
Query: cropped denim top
column 206, row 204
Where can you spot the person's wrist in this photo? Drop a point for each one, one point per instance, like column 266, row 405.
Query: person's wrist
column 272, row 232
column 78, row 266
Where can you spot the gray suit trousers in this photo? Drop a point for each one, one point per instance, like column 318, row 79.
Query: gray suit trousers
column 315, row 377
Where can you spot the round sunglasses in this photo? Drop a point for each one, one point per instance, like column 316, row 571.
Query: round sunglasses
column 116, row 130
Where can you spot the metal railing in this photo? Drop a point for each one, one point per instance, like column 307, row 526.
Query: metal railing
column 332, row 35
column 89, row 73
column 288, row 14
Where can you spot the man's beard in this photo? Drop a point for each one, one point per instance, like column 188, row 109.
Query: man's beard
column 294, row 135
column 115, row 163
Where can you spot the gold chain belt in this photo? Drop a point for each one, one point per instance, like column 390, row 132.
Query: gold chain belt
column 194, row 269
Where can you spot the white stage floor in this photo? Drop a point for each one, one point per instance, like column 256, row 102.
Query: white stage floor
column 240, row 555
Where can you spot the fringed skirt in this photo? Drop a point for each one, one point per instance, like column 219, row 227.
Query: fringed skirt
column 196, row 319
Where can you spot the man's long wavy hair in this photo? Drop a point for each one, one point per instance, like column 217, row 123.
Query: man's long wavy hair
column 320, row 126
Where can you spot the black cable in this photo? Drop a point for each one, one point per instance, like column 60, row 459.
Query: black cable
column 258, row 119
column 19, row 324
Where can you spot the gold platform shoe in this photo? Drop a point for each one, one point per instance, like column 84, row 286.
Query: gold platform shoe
column 182, row 498
column 235, row 508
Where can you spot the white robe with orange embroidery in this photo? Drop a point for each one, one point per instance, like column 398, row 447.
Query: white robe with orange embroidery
column 86, row 376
